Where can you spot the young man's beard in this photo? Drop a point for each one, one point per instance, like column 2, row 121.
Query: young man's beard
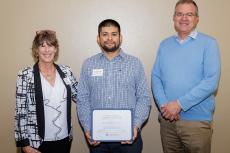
column 113, row 49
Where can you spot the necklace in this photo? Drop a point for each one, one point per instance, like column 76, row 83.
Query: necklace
column 49, row 74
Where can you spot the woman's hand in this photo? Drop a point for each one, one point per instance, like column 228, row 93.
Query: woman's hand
column 29, row 149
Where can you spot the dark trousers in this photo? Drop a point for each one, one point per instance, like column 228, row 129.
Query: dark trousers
column 117, row 147
column 59, row 146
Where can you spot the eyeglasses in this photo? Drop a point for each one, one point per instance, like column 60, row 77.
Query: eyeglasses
column 179, row 14
column 45, row 31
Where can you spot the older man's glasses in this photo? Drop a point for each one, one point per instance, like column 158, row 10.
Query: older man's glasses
column 179, row 14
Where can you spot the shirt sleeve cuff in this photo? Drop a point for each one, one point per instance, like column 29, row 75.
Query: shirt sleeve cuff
column 179, row 103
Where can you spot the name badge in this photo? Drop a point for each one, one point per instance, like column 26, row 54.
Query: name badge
column 97, row 72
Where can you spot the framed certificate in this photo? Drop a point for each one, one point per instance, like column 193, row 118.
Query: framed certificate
column 110, row 125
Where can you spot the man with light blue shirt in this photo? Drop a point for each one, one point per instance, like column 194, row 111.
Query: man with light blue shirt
column 184, row 80
column 113, row 79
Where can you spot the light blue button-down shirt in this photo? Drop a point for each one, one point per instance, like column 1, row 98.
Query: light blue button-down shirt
column 119, row 83
column 192, row 35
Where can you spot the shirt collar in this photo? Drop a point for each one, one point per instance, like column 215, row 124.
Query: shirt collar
column 119, row 56
column 192, row 35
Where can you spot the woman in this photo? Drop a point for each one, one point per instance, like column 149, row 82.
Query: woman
column 43, row 100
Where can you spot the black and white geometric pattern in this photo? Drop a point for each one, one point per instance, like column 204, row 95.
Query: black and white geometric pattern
column 26, row 119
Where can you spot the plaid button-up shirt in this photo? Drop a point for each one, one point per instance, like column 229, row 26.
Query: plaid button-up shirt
column 119, row 83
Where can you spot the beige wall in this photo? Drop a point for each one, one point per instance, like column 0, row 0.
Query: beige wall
column 144, row 24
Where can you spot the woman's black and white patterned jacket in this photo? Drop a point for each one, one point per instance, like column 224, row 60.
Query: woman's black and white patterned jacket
column 29, row 112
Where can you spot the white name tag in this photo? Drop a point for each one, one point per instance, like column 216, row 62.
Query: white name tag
column 97, row 72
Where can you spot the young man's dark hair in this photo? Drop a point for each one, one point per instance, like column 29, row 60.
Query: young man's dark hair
column 108, row 23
